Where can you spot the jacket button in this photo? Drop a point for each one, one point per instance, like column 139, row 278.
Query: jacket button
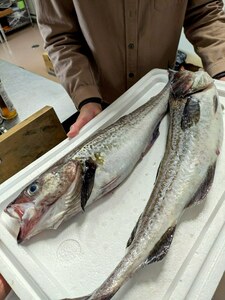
column 131, row 46
column 131, row 75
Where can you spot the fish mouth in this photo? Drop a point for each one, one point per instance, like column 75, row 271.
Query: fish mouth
column 16, row 209
column 26, row 227
column 27, row 215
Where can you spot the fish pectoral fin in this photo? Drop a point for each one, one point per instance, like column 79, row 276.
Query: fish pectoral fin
column 133, row 233
column 162, row 247
column 88, row 181
column 203, row 189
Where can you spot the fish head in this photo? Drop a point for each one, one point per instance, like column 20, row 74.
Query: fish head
column 186, row 82
column 30, row 207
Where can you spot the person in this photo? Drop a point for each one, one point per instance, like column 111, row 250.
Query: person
column 100, row 48
column 4, row 288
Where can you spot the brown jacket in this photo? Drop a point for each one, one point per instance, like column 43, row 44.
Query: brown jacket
column 100, row 48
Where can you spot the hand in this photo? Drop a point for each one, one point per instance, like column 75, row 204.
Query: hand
column 87, row 113
column 4, row 288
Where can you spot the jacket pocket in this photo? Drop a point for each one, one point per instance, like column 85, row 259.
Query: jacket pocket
column 166, row 4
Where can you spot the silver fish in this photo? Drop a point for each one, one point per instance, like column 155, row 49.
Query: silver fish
column 184, row 177
column 90, row 171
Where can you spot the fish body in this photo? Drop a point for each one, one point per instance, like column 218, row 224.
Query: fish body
column 89, row 171
column 184, row 177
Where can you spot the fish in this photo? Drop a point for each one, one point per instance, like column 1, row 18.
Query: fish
column 90, row 171
column 184, row 177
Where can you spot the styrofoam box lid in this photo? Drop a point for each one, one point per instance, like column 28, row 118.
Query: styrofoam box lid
column 75, row 259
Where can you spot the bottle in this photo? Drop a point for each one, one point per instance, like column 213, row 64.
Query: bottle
column 7, row 110
column 2, row 130
column 2, row 127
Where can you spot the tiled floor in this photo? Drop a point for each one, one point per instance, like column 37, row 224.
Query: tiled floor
column 20, row 50
column 24, row 48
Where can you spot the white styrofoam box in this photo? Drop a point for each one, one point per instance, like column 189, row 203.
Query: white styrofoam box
column 77, row 257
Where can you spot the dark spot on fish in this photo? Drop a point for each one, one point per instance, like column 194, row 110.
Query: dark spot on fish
column 217, row 152
column 191, row 113
column 215, row 103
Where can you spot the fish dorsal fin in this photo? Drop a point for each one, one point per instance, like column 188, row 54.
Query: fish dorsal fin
column 204, row 187
column 88, row 181
column 133, row 232
column 162, row 247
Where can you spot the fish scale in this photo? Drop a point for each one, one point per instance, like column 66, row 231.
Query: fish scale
column 115, row 133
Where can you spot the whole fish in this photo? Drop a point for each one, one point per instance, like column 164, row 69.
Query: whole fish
column 90, row 171
column 184, row 177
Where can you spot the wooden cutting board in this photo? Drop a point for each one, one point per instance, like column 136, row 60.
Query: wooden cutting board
column 28, row 140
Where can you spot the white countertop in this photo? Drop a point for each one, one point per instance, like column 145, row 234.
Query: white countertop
column 30, row 92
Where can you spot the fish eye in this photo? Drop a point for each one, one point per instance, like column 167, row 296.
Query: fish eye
column 32, row 189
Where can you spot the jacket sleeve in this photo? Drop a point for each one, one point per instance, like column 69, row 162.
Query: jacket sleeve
column 67, row 49
column 204, row 27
